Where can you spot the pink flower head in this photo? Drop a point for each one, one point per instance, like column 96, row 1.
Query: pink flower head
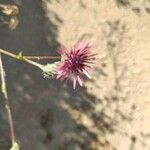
column 76, row 62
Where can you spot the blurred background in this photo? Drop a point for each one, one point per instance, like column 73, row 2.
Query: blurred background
column 112, row 111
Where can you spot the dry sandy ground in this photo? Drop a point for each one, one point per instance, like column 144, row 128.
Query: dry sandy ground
column 112, row 111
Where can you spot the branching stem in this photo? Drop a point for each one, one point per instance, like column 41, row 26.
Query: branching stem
column 7, row 103
column 20, row 57
column 27, row 58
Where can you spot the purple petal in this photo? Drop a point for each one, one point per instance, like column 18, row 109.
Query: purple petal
column 80, row 80
column 87, row 73
column 74, row 83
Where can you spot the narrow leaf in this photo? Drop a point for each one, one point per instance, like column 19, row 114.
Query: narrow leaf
column 15, row 147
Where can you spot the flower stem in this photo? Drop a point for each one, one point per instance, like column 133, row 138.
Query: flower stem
column 20, row 57
column 33, row 63
column 42, row 57
column 7, row 103
column 8, row 53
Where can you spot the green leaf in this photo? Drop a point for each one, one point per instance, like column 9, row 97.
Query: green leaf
column 20, row 56
column 15, row 147
column 3, row 88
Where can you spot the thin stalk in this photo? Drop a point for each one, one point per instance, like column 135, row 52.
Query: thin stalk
column 28, row 58
column 33, row 63
column 8, row 53
column 42, row 57
column 21, row 58
column 7, row 103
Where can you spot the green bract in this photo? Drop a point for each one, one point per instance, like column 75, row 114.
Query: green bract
column 49, row 70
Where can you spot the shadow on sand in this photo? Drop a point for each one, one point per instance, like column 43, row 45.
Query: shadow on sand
column 47, row 113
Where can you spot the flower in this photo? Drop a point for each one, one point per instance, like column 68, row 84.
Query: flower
column 75, row 63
